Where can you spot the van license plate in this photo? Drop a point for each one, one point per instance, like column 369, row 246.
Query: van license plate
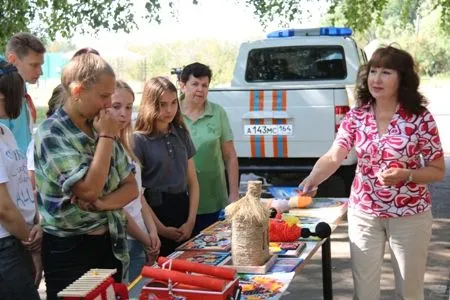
column 280, row 129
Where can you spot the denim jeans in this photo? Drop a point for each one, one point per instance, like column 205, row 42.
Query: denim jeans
column 137, row 258
column 15, row 277
column 65, row 259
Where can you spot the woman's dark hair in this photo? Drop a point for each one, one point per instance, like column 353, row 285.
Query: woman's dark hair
column 401, row 61
column 12, row 88
column 85, row 51
column 197, row 70
column 56, row 100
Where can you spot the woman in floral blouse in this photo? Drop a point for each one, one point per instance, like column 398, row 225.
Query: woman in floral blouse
column 399, row 152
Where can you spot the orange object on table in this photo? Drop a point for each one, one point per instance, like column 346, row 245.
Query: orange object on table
column 298, row 201
column 282, row 231
column 167, row 283
column 213, row 284
column 188, row 266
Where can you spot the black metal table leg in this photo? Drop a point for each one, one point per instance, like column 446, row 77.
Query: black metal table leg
column 326, row 270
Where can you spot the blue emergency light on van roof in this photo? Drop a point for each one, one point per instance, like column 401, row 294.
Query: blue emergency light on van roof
column 321, row 31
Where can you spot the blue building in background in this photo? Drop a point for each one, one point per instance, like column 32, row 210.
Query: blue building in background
column 53, row 65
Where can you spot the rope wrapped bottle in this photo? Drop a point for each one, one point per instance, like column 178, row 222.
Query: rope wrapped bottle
column 249, row 228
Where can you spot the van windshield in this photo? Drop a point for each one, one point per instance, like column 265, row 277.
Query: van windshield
column 295, row 63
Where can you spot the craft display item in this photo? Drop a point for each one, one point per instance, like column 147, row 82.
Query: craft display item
column 249, row 228
column 273, row 213
column 269, row 286
column 298, row 201
column 96, row 284
column 180, row 279
column 286, row 265
column 280, row 205
column 283, row 231
column 262, row 269
column 216, row 241
column 203, row 257
column 287, row 249
column 222, row 227
column 325, row 208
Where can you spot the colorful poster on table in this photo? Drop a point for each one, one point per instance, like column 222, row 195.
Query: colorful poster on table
column 202, row 257
column 208, row 242
column 264, row 287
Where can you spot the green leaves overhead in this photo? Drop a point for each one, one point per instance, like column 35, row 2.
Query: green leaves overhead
column 52, row 18
column 47, row 18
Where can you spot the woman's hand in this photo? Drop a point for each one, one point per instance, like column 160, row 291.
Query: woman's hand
column 393, row 176
column 186, row 231
column 150, row 258
column 83, row 204
column 171, row 233
column 307, row 187
column 152, row 249
column 34, row 240
column 155, row 243
column 106, row 124
column 233, row 197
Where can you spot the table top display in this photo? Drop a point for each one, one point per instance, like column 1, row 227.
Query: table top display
column 286, row 259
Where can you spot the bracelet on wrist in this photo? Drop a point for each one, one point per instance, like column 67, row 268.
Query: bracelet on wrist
column 410, row 177
column 107, row 137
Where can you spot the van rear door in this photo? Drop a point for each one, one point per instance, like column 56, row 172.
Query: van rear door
column 280, row 123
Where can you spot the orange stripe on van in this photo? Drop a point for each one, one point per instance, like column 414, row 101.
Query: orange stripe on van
column 252, row 137
column 284, row 137
column 276, row 150
column 279, row 103
column 262, row 143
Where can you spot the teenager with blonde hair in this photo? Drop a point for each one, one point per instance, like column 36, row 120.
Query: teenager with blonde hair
column 143, row 241
column 83, row 178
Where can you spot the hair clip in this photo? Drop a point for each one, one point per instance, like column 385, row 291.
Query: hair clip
column 8, row 69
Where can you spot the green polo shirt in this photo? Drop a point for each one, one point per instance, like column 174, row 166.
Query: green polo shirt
column 208, row 133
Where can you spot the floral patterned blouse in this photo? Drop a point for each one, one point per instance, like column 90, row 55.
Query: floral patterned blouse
column 410, row 141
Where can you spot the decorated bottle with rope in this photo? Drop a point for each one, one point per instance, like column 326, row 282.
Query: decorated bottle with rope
column 249, row 228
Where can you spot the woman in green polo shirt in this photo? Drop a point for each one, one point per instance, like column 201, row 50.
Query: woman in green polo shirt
column 213, row 140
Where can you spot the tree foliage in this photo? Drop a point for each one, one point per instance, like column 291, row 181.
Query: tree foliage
column 158, row 59
column 418, row 33
column 50, row 18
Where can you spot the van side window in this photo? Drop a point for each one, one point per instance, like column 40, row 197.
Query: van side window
column 295, row 63
column 362, row 56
